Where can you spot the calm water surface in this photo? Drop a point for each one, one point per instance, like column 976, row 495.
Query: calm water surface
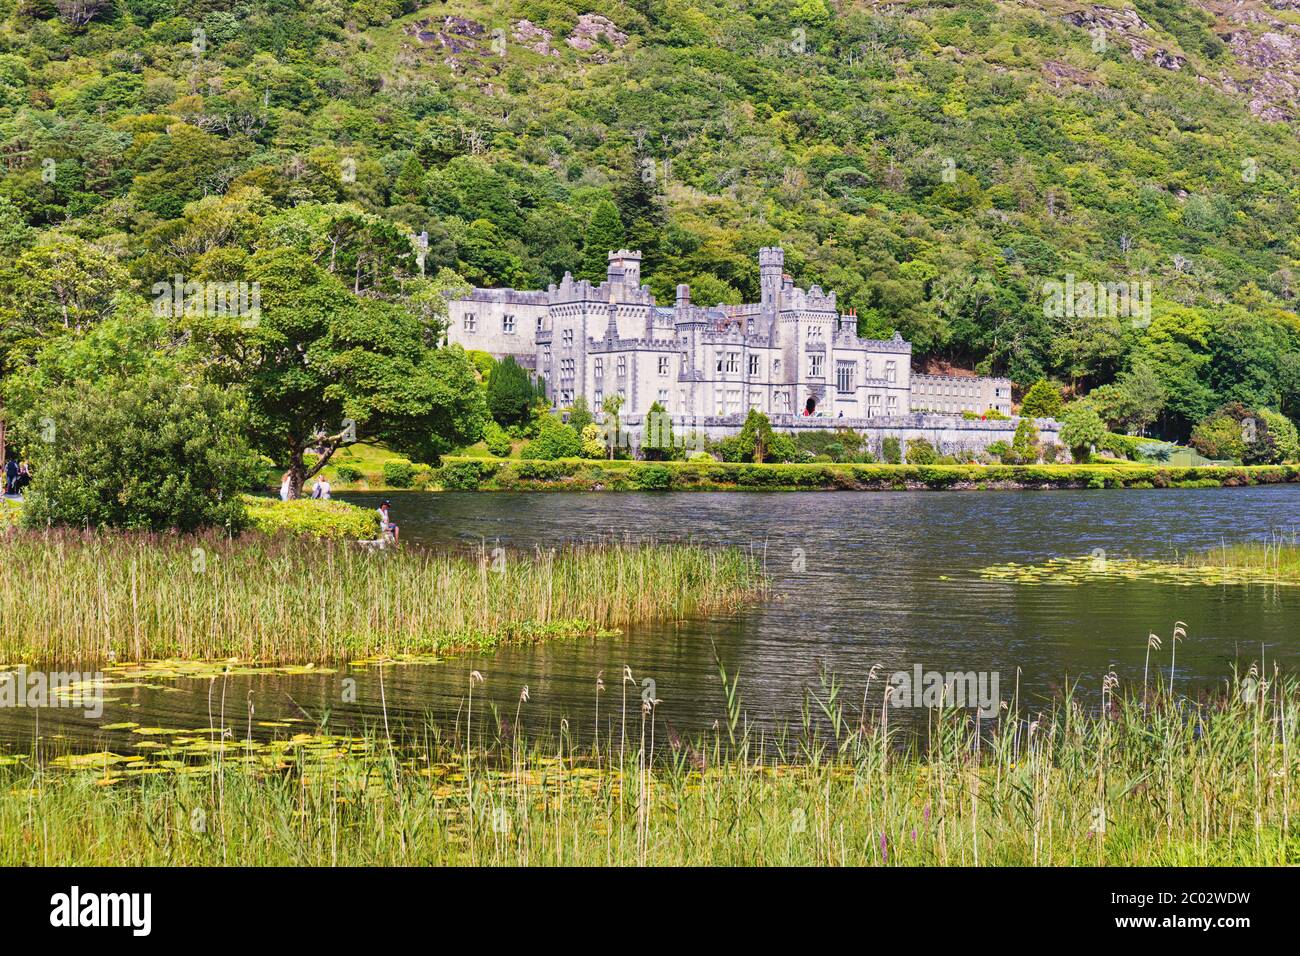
column 859, row 579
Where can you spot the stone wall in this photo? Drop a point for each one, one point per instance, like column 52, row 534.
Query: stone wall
column 949, row 434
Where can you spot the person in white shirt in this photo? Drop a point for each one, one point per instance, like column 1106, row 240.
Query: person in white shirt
column 386, row 525
column 286, row 483
column 321, row 489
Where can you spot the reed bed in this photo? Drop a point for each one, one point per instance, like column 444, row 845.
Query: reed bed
column 68, row 596
column 1150, row 778
column 1277, row 558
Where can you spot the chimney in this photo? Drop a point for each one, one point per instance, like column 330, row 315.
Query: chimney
column 683, row 296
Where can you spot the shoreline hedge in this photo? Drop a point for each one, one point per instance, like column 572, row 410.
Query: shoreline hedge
column 575, row 474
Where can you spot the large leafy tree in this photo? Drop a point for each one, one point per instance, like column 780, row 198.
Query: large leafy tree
column 150, row 452
column 53, row 291
column 323, row 368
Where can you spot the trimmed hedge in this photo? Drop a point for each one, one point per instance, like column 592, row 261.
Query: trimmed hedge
column 579, row 474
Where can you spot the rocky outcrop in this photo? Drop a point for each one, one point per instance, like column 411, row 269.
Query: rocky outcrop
column 1125, row 26
column 591, row 31
column 1260, row 63
column 530, row 35
column 457, row 37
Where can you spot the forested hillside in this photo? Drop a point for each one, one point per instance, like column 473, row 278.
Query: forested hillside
column 935, row 164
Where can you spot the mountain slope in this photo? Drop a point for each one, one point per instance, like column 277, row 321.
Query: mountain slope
column 935, row 164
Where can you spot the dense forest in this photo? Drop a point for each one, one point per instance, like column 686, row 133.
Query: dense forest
column 937, row 164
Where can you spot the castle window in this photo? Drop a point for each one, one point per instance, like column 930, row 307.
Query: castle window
column 622, row 366
column 776, row 368
column 753, row 365
column 566, row 337
column 815, row 365
column 508, row 324
column 891, row 371
column 733, row 361
column 892, row 404
column 599, row 370
column 873, row 405
column 471, row 322
column 844, row 376
column 663, row 365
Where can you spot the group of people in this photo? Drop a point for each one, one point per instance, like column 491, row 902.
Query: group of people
column 321, row 490
column 17, row 476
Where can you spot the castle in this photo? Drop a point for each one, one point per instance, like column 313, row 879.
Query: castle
column 791, row 355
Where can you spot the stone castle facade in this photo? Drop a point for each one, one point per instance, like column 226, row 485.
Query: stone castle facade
column 791, row 355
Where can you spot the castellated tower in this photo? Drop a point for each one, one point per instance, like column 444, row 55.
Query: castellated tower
column 625, row 269
column 771, row 264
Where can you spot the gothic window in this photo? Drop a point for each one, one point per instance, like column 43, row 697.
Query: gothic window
column 815, row 365
column 753, row 365
column 844, row 377
column 622, row 365
column 891, row 371
column 508, row 324
column 733, row 361
column 663, row 365
column 471, row 322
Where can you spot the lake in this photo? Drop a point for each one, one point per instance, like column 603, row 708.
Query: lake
column 858, row 580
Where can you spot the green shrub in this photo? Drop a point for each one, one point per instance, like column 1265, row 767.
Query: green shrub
column 149, row 453
column 1043, row 400
column 399, row 473
column 1024, row 444
column 920, row 452
column 312, row 517
column 554, row 440
column 891, row 449
column 462, row 475
column 497, row 441
column 651, row 477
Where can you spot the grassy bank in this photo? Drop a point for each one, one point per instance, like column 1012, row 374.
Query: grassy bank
column 463, row 474
column 1152, row 781
column 66, row 596
column 310, row 518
